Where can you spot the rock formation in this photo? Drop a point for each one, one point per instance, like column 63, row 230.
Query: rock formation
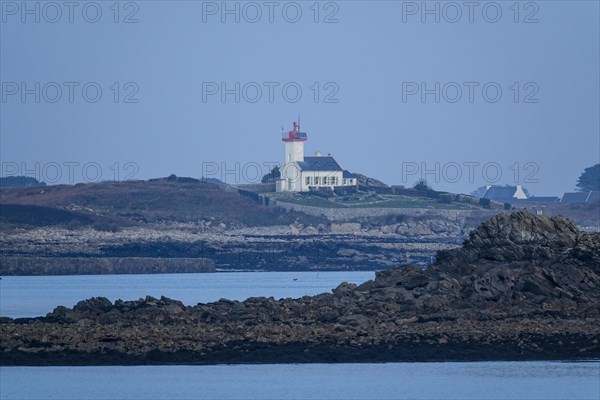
column 521, row 287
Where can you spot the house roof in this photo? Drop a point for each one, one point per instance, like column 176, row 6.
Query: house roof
column 544, row 199
column 575, row 197
column 348, row 175
column 319, row 164
column 500, row 193
column 594, row 196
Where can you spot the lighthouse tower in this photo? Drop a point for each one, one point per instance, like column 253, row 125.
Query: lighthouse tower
column 294, row 153
column 294, row 144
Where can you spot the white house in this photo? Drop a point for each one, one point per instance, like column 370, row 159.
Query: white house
column 301, row 174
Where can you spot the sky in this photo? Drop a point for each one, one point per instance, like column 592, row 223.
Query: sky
column 463, row 94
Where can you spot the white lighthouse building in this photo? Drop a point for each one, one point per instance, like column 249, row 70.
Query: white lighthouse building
column 301, row 174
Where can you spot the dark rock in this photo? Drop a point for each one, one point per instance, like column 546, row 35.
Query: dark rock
column 95, row 305
column 344, row 288
column 355, row 320
column 408, row 277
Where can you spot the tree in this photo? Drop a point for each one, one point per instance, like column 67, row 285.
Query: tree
column 272, row 176
column 589, row 179
column 20, row 181
column 421, row 185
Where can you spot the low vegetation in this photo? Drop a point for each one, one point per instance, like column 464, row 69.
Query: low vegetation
column 108, row 204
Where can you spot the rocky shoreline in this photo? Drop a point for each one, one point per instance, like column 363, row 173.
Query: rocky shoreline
column 522, row 287
column 344, row 246
column 422, row 347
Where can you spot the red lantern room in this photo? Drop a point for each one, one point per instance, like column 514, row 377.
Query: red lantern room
column 294, row 135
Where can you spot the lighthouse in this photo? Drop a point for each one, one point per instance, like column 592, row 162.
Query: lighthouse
column 294, row 144
column 302, row 174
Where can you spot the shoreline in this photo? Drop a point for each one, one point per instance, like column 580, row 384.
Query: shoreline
column 304, row 353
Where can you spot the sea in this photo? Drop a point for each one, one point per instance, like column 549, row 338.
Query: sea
column 29, row 296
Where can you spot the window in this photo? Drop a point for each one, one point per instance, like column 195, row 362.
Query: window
column 344, row 182
column 316, row 180
column 335, row 180
column 308, row 180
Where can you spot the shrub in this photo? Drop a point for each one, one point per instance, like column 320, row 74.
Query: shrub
column 445, row 198
column 272, row 176
column 422, row 186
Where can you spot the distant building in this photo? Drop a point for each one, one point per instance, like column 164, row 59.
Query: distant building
column 302, row 174
column 581, row 197
column 505, row 193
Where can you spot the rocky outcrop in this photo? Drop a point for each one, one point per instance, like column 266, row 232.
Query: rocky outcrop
column 519, row 258
column 346, row 227
column 521, row 287
column 369, row 182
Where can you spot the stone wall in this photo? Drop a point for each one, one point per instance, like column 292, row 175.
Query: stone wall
column 257, row 187
column 102, row 265
column 346, row 214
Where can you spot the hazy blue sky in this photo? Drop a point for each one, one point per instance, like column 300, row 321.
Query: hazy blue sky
column 371, row 61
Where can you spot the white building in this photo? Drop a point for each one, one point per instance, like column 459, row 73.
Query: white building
column 301, row 174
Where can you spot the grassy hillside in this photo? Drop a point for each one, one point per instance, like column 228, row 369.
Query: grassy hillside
column 138, row 202
column 26, row 216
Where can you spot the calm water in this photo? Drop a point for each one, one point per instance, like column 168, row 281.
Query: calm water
column 492, row 380
column 32, row 296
